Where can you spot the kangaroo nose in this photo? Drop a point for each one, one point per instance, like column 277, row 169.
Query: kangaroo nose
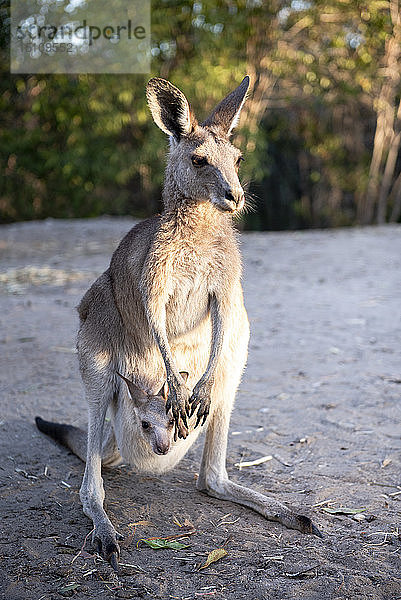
column 228, row 196
column 162, row 448
column 236, row 196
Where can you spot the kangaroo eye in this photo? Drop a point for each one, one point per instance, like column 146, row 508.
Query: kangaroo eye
column 145, row 425
column 171, row 422
column 198, row 161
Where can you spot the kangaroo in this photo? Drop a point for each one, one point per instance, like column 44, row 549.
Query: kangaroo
column 172, row 299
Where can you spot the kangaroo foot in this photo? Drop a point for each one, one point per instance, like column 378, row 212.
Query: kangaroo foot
column 294, row 521
column 106, row 544
column 270, row 508
column 306, row 525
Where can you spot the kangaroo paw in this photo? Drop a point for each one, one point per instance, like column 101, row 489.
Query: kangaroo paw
column 302, row 523
column 203, row 411
column 200, row 402
column 178, row 403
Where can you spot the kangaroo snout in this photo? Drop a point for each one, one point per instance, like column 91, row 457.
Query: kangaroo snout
column 162, row 447
column 235, row 195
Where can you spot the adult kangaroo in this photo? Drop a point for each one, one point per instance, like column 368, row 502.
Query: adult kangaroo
column 170, row 302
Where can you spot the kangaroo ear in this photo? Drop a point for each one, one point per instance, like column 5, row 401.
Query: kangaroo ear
column 136, row 393
column 169, row 107
column 226, row 114
column 164, row 391
column 184, row 375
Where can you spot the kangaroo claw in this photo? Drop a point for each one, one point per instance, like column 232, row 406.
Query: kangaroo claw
column 181, row 430
column 316, row 531
column 178, row 402
column 306, row 525
column 113, row 560
column 200, row 402
column 203, row 412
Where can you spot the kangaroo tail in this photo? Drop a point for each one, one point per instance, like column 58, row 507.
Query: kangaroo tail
column 67, row 435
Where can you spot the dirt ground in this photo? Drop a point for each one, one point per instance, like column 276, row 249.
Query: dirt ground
column 321, row 394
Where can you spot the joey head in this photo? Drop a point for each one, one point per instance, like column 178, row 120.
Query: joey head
column 154, row 425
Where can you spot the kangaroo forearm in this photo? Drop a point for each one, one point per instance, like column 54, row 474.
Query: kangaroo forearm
column 217, row 340
column 165, row 350
column 155, row 309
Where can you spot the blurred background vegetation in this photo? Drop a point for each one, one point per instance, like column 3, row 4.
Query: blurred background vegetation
column 321, row 130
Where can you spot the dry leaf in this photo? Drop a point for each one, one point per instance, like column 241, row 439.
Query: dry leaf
column 188, row 524
column 144, row 523
column 128, row 540
column 386, row 462
column 214, row 556
column 175, row 536
column 70, row 587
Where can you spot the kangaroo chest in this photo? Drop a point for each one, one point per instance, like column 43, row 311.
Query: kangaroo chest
column 191, row 286
column 187, row 265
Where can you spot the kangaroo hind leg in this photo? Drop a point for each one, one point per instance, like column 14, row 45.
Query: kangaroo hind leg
column 213, row 478
column 101, row 388
column 111, row 456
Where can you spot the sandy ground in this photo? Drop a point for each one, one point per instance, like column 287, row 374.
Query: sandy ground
column 321, row 394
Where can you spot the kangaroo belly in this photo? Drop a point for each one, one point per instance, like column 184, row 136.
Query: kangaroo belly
column 141, row 457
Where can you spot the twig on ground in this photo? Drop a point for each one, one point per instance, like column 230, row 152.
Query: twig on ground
column 253, row 463
column 228, row 522
column 301, row 573
column 321, row 503
column 82, row 548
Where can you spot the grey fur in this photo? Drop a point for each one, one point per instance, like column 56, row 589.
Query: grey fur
column 172, row 300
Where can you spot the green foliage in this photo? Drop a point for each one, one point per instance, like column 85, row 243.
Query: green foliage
column 159, row 543
column 83, row 145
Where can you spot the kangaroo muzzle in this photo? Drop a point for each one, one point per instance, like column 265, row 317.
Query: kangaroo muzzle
column 235, row 197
